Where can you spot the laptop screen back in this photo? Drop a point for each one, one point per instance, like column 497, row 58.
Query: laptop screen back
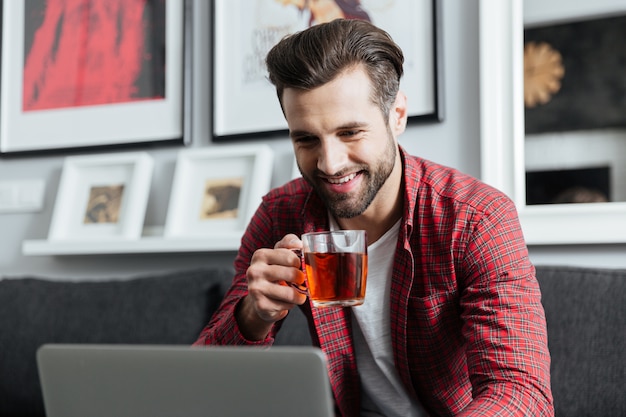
column 169, row 381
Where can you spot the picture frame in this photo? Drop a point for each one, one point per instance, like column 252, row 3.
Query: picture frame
column 217, row 189
column 581, row 85
column 67, row 83
column 502, row 143
column 102, row 197
column 244, row 31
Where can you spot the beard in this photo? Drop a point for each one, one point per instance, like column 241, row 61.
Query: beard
column 374, row 177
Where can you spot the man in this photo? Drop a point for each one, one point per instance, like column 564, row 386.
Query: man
column 452, row 322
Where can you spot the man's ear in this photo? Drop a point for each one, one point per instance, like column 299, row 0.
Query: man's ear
column 398, row 114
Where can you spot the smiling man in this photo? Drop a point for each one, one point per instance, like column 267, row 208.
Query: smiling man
column 452, row 322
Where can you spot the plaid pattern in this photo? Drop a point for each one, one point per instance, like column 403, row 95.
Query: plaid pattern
column 468, row 329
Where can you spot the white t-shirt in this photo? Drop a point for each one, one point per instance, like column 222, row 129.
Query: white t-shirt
column 382, row 390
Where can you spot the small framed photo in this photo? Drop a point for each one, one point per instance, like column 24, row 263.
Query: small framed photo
column 102, row 197
column 216, row 190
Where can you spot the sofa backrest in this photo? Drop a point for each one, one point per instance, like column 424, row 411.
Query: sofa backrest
column 166, row 309
column 586, row 318
column 585, row 312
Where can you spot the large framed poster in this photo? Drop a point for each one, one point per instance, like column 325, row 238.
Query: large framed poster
column 244, row 101
column 86, row 73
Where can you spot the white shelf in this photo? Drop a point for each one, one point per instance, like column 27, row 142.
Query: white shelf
column 228, row 241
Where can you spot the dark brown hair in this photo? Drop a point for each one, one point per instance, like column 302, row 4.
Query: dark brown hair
column 315, row 56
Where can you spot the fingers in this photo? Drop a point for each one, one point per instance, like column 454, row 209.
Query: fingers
column 274, row 302
column 273, row 298
column 290, row 241
column 272, row 281
column 276, row 265
column 270, row 275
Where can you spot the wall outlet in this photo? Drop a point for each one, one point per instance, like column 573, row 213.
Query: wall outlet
column 17, row 196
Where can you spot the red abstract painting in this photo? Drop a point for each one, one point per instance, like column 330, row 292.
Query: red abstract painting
column 92, row 52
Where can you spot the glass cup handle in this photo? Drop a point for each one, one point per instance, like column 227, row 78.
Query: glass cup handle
column 301, row 288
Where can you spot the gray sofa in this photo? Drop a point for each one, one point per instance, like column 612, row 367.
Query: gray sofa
column 585, row 310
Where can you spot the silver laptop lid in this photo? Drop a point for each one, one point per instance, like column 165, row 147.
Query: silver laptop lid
column 170, row 381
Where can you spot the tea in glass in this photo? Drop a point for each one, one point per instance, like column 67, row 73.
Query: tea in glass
column 336, row 267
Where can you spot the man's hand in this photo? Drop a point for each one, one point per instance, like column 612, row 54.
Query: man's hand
column 270, row 297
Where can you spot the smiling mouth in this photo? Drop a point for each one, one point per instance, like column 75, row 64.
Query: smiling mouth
column 342, row 180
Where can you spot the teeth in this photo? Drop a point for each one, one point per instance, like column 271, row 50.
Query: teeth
column 342, row 180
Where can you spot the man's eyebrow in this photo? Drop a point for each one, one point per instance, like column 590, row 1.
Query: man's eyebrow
column 352, row 125
column 299, row 133
column 347, row 126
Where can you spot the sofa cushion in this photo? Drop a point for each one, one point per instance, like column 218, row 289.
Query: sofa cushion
column 165, row 309
column 294, row 330
column 586, row 318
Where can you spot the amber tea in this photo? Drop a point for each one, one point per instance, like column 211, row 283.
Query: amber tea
column 339, row 278
column 336, row 267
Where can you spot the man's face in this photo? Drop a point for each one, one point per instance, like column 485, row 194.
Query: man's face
column 344, row 146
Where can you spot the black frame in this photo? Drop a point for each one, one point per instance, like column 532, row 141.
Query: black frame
column 438, row 84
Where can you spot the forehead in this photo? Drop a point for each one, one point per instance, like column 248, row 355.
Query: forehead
column 348, row 95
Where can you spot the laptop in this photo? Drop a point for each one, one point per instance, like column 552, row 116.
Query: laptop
column 81, row 380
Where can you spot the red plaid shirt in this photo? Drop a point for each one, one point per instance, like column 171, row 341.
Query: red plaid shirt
column 468, row 328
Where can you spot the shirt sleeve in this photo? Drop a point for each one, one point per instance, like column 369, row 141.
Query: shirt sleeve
column 504, row 321
column 222, row 328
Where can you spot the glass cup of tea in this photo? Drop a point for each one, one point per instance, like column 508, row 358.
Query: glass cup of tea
column 336, row 267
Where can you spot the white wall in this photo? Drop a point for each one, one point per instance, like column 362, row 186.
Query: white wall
column 537, row 12
column 455, row 142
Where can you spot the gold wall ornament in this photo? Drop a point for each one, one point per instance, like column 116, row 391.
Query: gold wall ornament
column 543, row 72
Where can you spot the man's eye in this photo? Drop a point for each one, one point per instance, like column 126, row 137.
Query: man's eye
column 304, row 140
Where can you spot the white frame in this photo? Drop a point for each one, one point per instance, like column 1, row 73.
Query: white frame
column 252, row 162
column 502, row 138
column 241, row 109
column 97, row 125
column 80, row 173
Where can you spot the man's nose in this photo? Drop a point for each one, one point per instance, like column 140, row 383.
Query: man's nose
column 333, row 156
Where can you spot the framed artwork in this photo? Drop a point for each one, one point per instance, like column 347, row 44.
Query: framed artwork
column 216, row 190
column 244, row 101
column 102, row 197
column 81, row 74
column 574, row 75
